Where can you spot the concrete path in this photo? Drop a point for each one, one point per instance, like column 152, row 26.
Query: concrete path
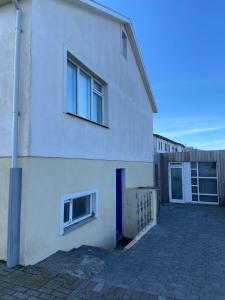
column 183, row 257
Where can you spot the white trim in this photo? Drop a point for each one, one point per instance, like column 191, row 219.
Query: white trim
column 197, row 178
column 94, row 207
column 124, row 185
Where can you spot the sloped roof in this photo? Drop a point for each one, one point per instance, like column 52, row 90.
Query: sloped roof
column 168, row 140
column 102, row 10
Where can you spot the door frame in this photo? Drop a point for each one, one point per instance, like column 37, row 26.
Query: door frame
column 173, row 166
column 124, row 185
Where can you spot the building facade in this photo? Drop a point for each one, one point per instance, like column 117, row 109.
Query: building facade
column 85, row 107
column 163, row 145
column 196, row 177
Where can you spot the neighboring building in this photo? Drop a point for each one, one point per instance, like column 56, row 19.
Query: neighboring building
column 85, row 112
column 163, row 145
column 196, row 177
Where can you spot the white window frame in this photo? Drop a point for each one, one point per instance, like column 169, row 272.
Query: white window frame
column 92, row 92
column 198, row 194
column 69, row 198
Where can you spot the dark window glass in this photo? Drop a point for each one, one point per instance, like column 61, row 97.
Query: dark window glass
column 194, row 181
column 194, row 173
column 207, row 169
column 124, row 44
column 194, row 189
column 176, row 181
column 212, row 199
column 66, row 212
column 81, row 207
column 195, row 198
column 193, row 165
column 71, row 88
column 97, row 109
column 207, row 186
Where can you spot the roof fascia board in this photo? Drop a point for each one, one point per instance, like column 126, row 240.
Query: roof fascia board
column 101, row 9
column 167, row 139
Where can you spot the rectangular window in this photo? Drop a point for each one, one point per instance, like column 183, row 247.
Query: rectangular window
column 97, row 107
column 77, row 207
column 84, row 94
column 207, row 169
column 124, row 44
column 204, row 182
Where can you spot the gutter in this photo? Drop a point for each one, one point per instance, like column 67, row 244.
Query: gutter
column 16, row 85
column 15, row 180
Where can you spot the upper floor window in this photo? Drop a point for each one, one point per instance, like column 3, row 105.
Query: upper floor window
column 84, row 94
column 124, row 44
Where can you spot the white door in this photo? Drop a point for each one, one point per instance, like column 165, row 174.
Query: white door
column 176, row 189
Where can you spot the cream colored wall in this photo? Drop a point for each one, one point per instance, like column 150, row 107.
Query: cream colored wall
column 45, row 180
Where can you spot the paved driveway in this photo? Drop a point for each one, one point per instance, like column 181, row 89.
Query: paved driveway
column 183, row 257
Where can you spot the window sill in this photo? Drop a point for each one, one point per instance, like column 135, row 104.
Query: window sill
column 87, row 120
column 75, row 226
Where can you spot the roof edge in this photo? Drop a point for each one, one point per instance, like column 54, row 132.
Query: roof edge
column 167, row 139
column 99, row 8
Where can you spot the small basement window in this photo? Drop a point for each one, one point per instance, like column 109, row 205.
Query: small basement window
column 78, row 207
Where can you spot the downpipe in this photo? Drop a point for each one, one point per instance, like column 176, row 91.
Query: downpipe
column 15, row 180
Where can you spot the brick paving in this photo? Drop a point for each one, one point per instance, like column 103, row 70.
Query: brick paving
column 183, row 257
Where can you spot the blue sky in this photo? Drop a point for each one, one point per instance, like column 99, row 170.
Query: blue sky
column 183, row 46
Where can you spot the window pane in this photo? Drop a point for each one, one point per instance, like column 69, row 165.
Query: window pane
column 194, row 189
column 66, row 212
column 194, row 181
column 207, row 186
column 97, row 109
column 71, row 90
column 176, row 183
column 84, row 95
column 195, row 198
column 81, row 207
column 207, row 169
column 97, row 87
column 193, row 165
column 194, row 173
column 124, row 44
column 212, row 199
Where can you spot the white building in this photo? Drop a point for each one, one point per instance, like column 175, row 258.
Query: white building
column 85, row 107
column 165, row 145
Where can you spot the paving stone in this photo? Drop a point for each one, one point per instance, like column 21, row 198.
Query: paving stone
column 182, row 257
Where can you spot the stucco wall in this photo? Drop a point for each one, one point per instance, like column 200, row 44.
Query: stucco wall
column 46, row 180
column 7, row 50
column 96, row 41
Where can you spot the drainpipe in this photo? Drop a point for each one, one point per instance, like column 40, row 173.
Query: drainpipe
column 15, row 180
